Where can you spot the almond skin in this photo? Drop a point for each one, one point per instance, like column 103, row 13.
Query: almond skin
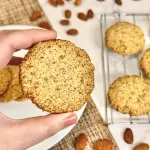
column 81, row 142
column 35, row 15
column 53, row 2
column 118, row 2
column 128, row 136
column 60, row 2
column 82, row 16
column 64, row 22
column 72, row 32
column 142, row 146
column 90, row 14
column 67, row 14
column 45, row 24
column 77, row 2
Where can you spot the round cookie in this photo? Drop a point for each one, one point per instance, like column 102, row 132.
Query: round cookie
column 145, row 63
column 5, row 79
column 57, row 76
column 124, row 38
column 130, row 95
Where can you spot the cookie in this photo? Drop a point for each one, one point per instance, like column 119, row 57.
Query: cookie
column 57, row 76
column 5, row 79
column 145, row 63
column 124, row 38
column 130, row 95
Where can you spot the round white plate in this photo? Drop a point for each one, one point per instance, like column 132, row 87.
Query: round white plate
column 20, row 110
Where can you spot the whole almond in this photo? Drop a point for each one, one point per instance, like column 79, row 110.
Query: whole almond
column 72, row 32
column 53, row 2
column 64, row 22
column 103, row 145
column 118, row 2
column 128, row 136
column 35, row 15
column 90, row 14
column 45, row 24
column 77, row 2
column 142, row 146
column 81, row 142
column 82, row 16
column 67, row 14
column 60, row 2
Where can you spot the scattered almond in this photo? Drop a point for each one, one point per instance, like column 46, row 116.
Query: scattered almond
column 81, row 142
column 35, row 15
column 67, row 14
column 72, row 32
column 119, row 2
column 128, row 136
column 64, row 22
column 90, row 14
column 53, row 2
column 60, row 2
column 45, row 24
column 103, row 145
column 77, row 2
column 82, row 16
column 142, row 146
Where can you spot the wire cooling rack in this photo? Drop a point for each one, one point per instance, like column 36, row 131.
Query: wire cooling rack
column 115, row 65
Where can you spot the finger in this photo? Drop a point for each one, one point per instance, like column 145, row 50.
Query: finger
column 35, row 130
column 15, row 61
column 13, row 40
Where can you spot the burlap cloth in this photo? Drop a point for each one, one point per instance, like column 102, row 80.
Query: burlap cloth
column 91, row 123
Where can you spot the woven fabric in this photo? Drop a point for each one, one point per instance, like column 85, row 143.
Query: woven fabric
column 91, row 123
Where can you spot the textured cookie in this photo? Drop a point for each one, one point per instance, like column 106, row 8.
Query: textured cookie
column 145, row 63
column 57, row 76
column 124, row 38
column 130, row 95
column 5, row 79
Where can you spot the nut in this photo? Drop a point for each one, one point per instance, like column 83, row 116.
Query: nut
column 77, row 2
column 45, row 24
column 103, row 145
column 60, row 2
column 142, row 146
column 81, row 142
column 72, row 32
column 90, row 14
column 64, row 22
column 128, row 136
column 35, row 15
column 67, row 14
column 82, row 16
column 119, row 2
column 53, row 2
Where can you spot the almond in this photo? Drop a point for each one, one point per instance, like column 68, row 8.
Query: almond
column 35, row 15
column 103, row 145
column 128, row 136
column 81, row 142
column 77, row 2
column 72, row 32
column 45, row 24
column 142, row 146
column 60, row 2
column 82, row 16
column 67, row 14
column 119, row 2
column 53, row 2
column 64, row 22
column 90, row 14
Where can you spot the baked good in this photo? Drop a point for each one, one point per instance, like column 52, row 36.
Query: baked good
column 124, row 38
column 145, row 63
column 130, row 95
column 57, row 76
column 5, row 79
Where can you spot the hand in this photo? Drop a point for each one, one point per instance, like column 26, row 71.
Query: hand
column 24, row 133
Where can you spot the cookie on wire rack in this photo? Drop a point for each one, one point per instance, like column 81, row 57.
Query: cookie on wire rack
column 57, row 76
column 124, row 38
column 130, row 95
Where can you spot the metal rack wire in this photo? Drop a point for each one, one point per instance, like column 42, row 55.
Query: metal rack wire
column 106, row 20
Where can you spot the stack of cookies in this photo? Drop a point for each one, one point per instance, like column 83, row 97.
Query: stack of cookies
column 10, row 88
column 129, row 94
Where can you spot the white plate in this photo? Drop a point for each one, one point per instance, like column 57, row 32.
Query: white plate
column 20, row 110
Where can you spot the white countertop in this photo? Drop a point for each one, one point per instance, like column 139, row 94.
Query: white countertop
column 89, row 39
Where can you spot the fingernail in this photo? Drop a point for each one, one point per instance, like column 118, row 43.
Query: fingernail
column 70, row 120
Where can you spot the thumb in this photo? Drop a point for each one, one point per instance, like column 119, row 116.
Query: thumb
column 34, row 130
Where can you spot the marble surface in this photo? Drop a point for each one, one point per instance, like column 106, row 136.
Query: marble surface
column 89, row 38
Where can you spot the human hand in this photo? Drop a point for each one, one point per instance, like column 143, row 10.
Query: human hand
column 24, row 133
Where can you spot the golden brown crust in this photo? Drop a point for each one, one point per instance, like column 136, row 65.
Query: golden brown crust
column 57, row 76
column 124, row 38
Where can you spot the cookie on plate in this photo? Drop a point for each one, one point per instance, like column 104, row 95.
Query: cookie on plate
column 5, row 79
column 124, row 38
column 57, row 76
column 145, row 63
column 130, row 95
